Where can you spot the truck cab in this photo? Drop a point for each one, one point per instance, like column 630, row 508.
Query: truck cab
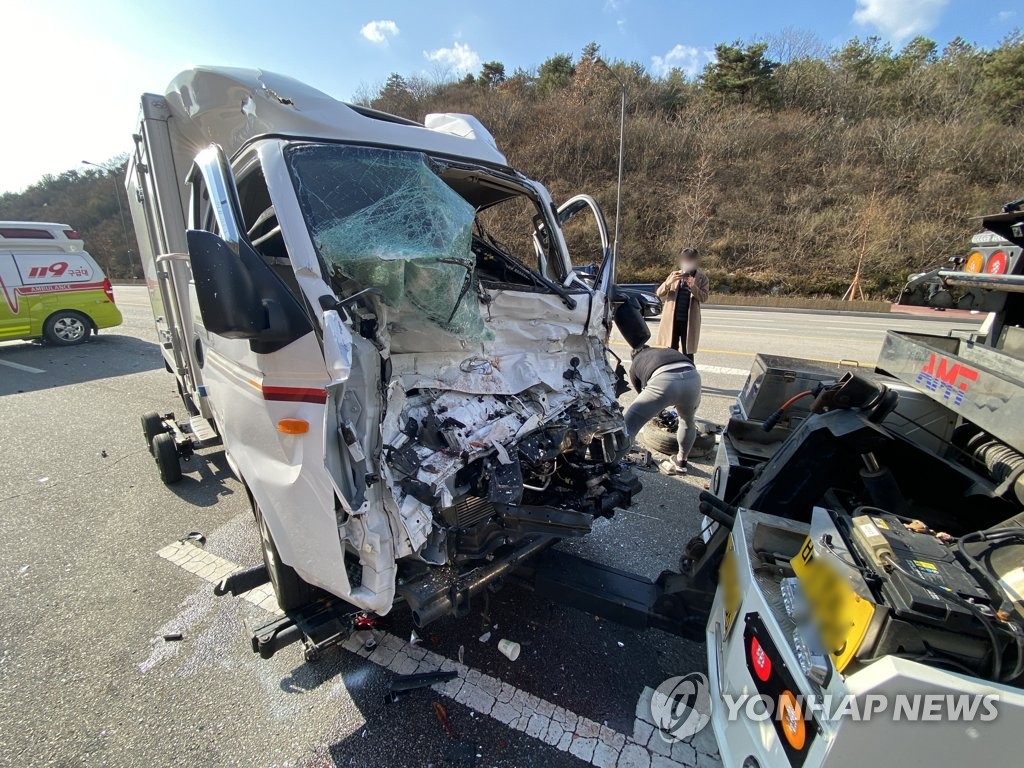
column 380, row 322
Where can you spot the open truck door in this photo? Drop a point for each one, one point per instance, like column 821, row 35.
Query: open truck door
column 604, row 279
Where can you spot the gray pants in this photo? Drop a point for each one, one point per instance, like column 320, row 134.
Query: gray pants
column 673, row 388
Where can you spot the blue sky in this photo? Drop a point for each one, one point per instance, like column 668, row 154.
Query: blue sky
column 73, row 70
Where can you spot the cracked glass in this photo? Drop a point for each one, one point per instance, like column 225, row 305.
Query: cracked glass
column 385, row 219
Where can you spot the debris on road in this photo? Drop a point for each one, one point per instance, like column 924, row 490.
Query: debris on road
column 442, row 717
column 420, row 680
column 172, row 637
column 509, row 649
column 485, row 637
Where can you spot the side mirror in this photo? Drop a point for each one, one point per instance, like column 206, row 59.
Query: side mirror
column 240, row 297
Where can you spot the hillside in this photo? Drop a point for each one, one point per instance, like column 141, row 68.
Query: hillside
column 783, row 161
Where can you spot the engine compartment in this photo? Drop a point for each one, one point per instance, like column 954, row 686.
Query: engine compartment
column 921, row 542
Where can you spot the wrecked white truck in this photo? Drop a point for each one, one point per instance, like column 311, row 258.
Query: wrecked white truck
column 380, row 323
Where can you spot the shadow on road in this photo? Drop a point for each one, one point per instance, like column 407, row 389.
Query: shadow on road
column 203, row 480
column 31, row 367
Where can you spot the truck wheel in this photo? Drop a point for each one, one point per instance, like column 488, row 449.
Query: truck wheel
column 655, row 438
column 166, row 455
column 152, row 425
column 291, row 591
column 64, row 328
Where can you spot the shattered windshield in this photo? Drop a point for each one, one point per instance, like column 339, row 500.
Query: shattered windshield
column 383, row 218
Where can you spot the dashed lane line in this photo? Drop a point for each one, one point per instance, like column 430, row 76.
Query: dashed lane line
column 592, row 742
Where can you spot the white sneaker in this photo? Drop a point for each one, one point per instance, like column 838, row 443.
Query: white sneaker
column 673, row 467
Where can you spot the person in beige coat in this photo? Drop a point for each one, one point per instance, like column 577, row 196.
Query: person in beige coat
column 682, row 293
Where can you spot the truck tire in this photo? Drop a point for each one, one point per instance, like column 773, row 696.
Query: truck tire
column 291, row 591
column 656, row 438
column 166, row 455
column 152, row 425
column 66, row 328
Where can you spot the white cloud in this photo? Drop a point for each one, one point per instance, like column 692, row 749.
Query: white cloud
column 1005, row 15
column 460, row 57
column 379, row 31
column 900, row 19
column 687, row 58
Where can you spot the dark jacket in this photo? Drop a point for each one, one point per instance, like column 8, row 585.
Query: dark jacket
column 650, row 359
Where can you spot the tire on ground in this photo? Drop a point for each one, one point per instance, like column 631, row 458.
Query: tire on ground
column 166, row 455
column 656, row 438
column 291, row 591
column 66, row 327
column 152, row 425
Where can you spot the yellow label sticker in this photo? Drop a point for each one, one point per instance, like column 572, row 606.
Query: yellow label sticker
column 728, row 578
column 842, row 616
column 881, row 523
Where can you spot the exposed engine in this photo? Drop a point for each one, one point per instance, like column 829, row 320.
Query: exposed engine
column 916, row 545
column 478, row 478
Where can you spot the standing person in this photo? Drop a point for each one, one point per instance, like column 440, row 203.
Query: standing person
column 665, row 378
column 683, row 291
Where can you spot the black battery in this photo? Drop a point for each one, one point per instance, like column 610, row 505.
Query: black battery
column 927, row 558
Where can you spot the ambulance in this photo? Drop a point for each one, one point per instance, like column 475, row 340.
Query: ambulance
column 51, row 288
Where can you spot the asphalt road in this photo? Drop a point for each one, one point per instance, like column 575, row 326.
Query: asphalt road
column 85, row 600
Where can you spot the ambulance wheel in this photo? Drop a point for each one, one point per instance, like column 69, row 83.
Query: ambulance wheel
column 152, row 425
column 291, row 591
column 64, row 328
column 166, row 455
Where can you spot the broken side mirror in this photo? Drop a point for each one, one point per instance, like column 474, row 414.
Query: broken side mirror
column 240, row 297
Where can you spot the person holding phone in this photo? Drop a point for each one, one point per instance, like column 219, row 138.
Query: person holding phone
column 682, row 293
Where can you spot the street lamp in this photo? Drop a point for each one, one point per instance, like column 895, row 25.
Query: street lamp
column 120, row 211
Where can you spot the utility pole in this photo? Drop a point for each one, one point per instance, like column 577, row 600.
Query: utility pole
column 613, row 266
column 120, row 211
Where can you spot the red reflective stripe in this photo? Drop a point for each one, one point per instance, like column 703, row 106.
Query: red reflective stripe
column 295, row 394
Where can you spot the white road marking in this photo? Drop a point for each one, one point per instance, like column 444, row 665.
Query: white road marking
column 20, row 367
column 722, row 370
column 544, row 720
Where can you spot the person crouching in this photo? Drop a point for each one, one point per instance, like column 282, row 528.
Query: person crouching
column 665, row 378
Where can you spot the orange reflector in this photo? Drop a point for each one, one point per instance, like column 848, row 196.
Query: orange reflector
column 975, row 262
column 293, row 426
column 792, row 719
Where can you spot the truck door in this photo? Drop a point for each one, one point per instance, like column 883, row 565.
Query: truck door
column 589, row 246
column 259, row 393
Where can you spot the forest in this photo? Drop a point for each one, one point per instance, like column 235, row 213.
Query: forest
column 786, row 163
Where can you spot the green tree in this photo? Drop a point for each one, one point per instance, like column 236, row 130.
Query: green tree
column 1003, row 88
column 492, row 74
column 555, row 73
column 741, row 72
